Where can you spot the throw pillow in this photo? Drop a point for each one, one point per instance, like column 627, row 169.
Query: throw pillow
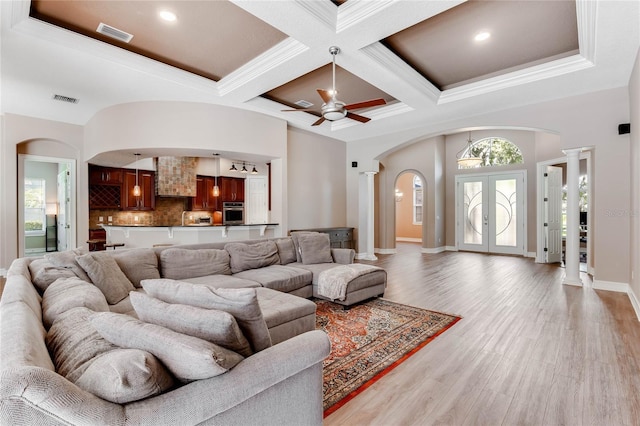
column 286, row 251
column 67, row 259
column 296, row 245
column 242, row 303
column 43, row 273
column 85, row 358
column 137, row 264
column 74, row 342
column 215, row 326
column 68, row 293
column 106, row 275
column 125, row 375
column 315, row 248
column 187, row 357
column 177, row 263
column 252, row 256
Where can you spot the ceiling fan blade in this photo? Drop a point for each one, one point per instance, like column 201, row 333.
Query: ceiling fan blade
column 298, row 109
column 324, row 94
column 320, row 121
column 366, row 104
column 357, row 117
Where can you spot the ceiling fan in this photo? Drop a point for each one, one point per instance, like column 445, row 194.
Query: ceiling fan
column 332, row 109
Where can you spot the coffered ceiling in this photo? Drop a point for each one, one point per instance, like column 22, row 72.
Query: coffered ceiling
column 420, row 56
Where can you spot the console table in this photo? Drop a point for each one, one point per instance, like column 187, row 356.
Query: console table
column 339, row 237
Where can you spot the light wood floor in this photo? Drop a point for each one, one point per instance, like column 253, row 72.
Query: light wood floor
column 528, row 351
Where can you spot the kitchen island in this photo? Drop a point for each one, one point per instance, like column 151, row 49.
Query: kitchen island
column 153, row 236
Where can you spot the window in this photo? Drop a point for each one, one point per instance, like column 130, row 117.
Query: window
column 494, row 152
column 34, row 205
column 417, row 201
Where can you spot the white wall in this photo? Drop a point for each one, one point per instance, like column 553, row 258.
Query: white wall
column 585, row 120
column 316, row 181
column 634, row 252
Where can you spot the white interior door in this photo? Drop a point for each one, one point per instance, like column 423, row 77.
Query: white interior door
column 553, row 214
column 490, row 212
column 256, row 199
column 64, row 210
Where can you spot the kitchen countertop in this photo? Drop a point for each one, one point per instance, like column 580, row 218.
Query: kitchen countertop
column 203, row 225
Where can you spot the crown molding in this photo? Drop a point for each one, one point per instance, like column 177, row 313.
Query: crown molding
column 587, row 15
column 323, row 11
column 353, row 12
column 274, row 57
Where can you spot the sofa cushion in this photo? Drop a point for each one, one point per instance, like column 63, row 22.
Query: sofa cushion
column 68, row 293
column 177, row 263
column 106, row 275
column 187, row 357
column 67, row 259
column 242, row 303
column 43, row 273
column 137, row 264
column 74, row 342
column 286, row 250
column 222, row 281
column 294, row 238
column 315, row 248
column 252, row 256
column 215, row 326
column 125, row 375
column 278, row 277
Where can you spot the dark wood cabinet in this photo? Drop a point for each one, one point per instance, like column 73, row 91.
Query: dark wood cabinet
column 204, row 199
column 231, row 189
column 338, row 237
column 104, row 175
column 97, row 239
column 147, row 199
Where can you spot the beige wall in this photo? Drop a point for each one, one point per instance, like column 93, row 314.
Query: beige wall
column 316, row 182
column 634, row 98
column 405, row 228
column 34, row 136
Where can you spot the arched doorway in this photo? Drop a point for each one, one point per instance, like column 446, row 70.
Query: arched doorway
column 409, row 195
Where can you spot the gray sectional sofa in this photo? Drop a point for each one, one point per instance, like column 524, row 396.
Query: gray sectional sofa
column 51, row 307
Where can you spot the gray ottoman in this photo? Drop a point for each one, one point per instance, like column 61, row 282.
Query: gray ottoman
column 286, row 315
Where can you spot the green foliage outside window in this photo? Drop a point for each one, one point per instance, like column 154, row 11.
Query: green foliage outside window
column 496, row 152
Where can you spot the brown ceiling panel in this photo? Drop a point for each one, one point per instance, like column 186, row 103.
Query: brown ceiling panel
column 351, row 89
column 209, row 38
column 523, row 33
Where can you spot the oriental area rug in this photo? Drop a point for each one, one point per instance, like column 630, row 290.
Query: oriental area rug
column 369, row 340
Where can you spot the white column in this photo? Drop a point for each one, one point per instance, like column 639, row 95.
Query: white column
column 572, row 244
column 366, row 231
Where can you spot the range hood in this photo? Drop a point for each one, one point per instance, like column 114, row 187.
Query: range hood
column 176, row 176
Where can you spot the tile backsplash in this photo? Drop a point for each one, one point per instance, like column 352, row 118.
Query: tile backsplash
column 168, row 212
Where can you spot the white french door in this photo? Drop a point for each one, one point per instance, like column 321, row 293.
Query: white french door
column 490, row 212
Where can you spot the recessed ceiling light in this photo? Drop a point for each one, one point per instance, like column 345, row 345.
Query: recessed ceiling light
column 482, row 36
column 167, row 15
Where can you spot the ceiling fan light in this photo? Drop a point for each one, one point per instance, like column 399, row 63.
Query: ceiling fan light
column 334, row 115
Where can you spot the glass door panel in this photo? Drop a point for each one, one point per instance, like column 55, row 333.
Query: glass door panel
column 506, row 213
column 473, row 212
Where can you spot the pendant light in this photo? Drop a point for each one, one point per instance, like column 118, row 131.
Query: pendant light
column 254, row 171
column 216, row 189
column 136, row 188
column 465, row 158
column 244, row 168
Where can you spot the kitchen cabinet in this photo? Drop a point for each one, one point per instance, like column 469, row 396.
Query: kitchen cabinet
column 104, row 175
column 105, row 187
column 231, row 189
column 204, row 199
column 147, row 199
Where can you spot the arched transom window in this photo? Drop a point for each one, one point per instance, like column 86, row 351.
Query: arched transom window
column 494, row 152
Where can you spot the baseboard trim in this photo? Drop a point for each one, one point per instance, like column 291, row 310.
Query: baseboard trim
column 634, row 302
column 611, row 286
column 434, row 250
column 385, row 251
column 365, row 256
column 530, row 254
column 451, row 248
column 409, row 240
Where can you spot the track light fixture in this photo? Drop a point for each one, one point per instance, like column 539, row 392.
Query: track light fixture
column 243, row 169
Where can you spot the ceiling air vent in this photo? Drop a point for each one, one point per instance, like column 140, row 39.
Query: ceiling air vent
column 303, row 103
column 63, row 98
column 112, row 32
